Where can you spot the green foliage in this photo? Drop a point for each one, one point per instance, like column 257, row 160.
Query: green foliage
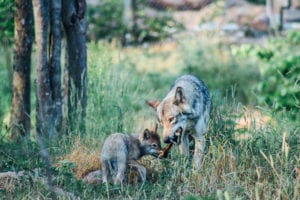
column 223, row 73
column 6, row 40
column 106, row 21
column 18, row 156
column 279, row 66
column 151, row 28
column 257, row 1
column 6, row 21
column 63, row 176
column 281, row 73
column 112, row 95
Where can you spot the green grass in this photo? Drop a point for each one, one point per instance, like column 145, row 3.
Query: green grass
column 257, row 167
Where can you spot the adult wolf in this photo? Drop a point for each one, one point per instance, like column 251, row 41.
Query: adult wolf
column 185, row 112
column 120, row 150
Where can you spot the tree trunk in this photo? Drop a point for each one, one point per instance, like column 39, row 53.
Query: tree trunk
column 20, row 108
column 44, row 104
column 54, row 58
column 73, row 12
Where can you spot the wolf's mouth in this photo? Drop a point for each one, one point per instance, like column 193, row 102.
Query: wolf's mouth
column 176, row 138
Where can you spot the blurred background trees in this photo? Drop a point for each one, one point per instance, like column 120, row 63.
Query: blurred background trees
column 47, row 64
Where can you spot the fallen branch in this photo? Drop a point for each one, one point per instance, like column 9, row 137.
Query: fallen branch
column 165, row 151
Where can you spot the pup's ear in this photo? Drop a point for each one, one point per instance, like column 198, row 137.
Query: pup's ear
column 153, row 104
column 179, row 96
column 146, row 134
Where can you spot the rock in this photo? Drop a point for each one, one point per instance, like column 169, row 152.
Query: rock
column 178, row 4
column 260, row 23
column 94, row 177
column 233, row 3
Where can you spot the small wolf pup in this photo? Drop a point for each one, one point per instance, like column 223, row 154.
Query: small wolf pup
column 120, row 150
column 185, row 112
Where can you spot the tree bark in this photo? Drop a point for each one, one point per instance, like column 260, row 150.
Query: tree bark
column 73, row 12
column 44, row 104
column 20, row 108
column 54, row 58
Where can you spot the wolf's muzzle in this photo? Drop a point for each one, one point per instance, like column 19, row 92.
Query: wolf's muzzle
column 175, row 138
column 167, row 140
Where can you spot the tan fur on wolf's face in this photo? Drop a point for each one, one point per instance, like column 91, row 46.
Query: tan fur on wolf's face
column 167, row 116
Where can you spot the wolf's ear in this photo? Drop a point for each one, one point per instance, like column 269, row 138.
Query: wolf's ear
column 153, row 104
column 155, row 129
column 146, row 134
column 179, row 96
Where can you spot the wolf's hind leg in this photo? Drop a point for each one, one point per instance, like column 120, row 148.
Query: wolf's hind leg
column 141, row 169
column 121, row 171
column 105, row 171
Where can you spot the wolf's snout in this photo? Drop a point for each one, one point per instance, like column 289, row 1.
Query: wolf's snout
column 167, row 140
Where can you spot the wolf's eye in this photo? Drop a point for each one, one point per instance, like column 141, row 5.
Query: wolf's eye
column 154, row 145
column 171, row 119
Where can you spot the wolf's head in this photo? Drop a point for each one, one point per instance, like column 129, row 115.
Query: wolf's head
column 150, row 142
column 172, row 115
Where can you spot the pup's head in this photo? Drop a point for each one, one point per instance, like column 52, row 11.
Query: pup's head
column 150, row 142
column 170, row 113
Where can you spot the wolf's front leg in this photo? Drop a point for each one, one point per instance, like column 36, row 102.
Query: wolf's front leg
column 141, row 169
column 199, row 151
column 184, row 146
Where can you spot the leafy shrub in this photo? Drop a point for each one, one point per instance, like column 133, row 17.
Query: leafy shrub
column 6, row 21
column 154, row 28
column 280, row 70
column 18, row 156
column 106, row 21
column 279, row 67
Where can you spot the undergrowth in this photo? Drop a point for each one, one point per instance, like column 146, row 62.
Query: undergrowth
column 254, row 160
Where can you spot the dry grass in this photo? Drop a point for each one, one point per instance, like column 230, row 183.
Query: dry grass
column 85, row 160
column 251, row 119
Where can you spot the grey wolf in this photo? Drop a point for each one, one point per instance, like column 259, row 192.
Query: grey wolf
column 120, row 150
column 184, row 112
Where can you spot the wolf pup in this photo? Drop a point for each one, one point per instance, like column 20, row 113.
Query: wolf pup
column 184, row 112
column 120, row 150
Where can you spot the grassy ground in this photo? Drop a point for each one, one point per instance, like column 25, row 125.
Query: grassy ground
column 252, row 152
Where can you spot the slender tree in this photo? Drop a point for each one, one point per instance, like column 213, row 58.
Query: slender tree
column 73, row 16
column 23, row 36
column 55, row 58
column 45, row 121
